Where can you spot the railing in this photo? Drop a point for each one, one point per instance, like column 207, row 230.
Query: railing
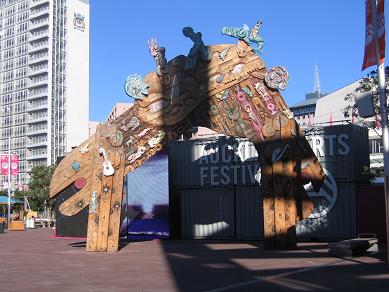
column 39, row 23
column 36, row 155
column 36, row 131
column 34, row 107
column 38, row 47
column 35, row 83
column 37, row 94
column 39, row 12
column 35, row 3
column 37, row 60
column 37, row 36
column 36, row 119
column 36, row 144
column 32, row 72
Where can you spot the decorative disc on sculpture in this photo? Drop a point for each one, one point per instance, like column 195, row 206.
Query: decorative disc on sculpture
column 277, row 77
column 280, row 122
column 80, row 183
column 116, row 139
column 135, row 87
column 268, row 130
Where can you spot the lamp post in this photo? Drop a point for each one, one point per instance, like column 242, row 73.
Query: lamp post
column 9, row 180
column 384, row 120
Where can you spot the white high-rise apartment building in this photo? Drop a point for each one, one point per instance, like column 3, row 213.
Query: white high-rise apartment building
column 44, row 78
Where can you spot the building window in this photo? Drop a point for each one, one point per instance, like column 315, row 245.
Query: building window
column 376, row 146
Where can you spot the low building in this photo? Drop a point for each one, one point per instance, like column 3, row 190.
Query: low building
column 118, row 109
column 304, row 111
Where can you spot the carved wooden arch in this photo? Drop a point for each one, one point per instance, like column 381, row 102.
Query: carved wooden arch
column 231, row 93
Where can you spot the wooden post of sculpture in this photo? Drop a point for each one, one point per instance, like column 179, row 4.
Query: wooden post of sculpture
column 226, row 88
column 106, row 190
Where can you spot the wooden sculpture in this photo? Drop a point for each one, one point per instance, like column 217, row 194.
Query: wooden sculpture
column 226, row 88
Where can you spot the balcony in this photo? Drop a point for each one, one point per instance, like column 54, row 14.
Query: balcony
column 38, row 71
column 38, row 47
column 35, row 107
column 37, row 60
column 36, row 36
column 32, row 120
column 39, row 12
column 33, row 144
column 39, row 24
column 35, row 3
column 37, row 83
column 31, row 156
column 31, row 132
column 36, row 95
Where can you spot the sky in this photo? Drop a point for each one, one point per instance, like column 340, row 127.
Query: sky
column 298, row 35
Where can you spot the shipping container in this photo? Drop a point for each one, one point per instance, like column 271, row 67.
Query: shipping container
column 334, row 215
column 249, row 214
column 343, row 150
column 215, row 183
column 207, row 213
column 216, row 162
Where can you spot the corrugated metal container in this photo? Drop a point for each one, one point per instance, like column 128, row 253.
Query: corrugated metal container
column 216, row 181
column 249, row 214
column 334, row 216
column 343, row 150
column 219, row 162
column 207, row 213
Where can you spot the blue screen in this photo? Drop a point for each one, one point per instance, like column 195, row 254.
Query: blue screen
column 148, row 199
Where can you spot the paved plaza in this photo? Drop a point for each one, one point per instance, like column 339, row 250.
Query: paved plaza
column 34, row 260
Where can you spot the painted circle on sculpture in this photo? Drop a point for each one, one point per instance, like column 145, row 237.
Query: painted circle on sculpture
column 214, row 110
column 268, row 130
column 277, row 77
column 106, row 130
column 241, row 51
column 80, row 183
column 280, row 122
column 234, row 115
column 116, row 139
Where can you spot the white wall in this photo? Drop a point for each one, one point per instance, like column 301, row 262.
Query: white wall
column 77, row 75
column 334, row 104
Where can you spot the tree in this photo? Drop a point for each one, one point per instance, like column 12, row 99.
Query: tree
column 368, row 83
column 38, row 185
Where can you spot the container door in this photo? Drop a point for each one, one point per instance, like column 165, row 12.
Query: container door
column 207, row 213
column 249, row 214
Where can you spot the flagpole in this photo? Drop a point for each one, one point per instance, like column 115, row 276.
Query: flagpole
column 384, row 120
column 9, row 181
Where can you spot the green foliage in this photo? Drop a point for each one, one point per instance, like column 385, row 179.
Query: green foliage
column 38, row 186
column 368, row 83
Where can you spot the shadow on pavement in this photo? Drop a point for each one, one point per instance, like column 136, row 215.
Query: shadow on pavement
column 220, row 266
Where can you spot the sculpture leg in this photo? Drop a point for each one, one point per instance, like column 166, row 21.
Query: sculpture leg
column 105, row 205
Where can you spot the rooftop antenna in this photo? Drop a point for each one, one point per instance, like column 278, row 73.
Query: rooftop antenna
column 316, row 85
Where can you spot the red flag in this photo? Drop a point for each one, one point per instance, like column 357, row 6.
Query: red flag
column 14, row 164
column 370, row 57
column 4, row 164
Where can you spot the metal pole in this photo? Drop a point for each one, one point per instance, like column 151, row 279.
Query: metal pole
column 9, row 181
column 384, row 121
